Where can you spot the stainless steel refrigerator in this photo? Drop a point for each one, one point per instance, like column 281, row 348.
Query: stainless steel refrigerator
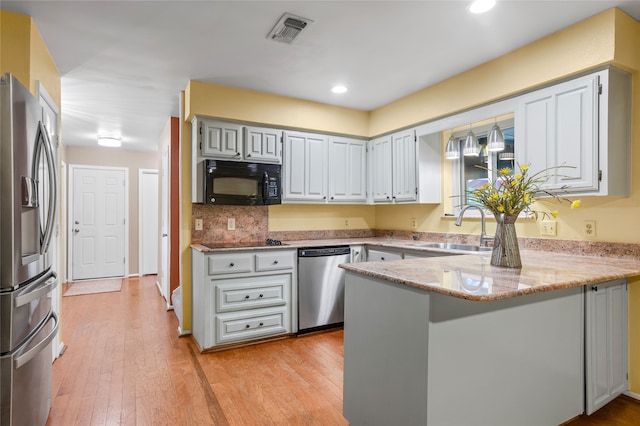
column 27, row 219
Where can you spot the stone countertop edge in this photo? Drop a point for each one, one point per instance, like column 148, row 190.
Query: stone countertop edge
column 392, row 243
column 540, row 272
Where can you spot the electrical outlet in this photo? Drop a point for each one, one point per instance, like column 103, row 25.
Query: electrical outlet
column 414, row 223
column 548, row 227
column 231, row 224
column 198, row 224
column 589, row 229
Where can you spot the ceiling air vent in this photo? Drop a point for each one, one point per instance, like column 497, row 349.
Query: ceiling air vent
column 288, row 28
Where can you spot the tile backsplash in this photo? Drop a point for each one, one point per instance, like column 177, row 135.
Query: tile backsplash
column 251, row 223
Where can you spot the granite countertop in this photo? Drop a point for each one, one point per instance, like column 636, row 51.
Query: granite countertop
column 472, row 277
column 392, row 243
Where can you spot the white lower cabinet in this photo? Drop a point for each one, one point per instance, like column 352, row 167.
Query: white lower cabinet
column 241, row 296
column 377, row 254
column 606, row 343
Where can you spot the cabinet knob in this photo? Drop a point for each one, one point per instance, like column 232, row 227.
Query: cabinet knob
column 594, row 288
column 262, row 295
column 231, row 265
column 247, row 326
column 247, row 296
column 275, row 262
column 332, row 198
column 261, row 324
column 237, row 154
column 382, row 258
column 248, row 155
column 324, row 198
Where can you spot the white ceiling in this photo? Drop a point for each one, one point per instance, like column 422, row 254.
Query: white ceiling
column 124, row 63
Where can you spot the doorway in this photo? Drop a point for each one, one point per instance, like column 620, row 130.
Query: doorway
column 98, row 227
column 148, row 222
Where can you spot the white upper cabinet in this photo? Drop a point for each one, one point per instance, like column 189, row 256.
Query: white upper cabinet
column 262, row 144
column 305, row 167
column 570, row 124
column 219, row 139
column 381, row 169
column 405, row 168
column 404, row 184
column 347, row 170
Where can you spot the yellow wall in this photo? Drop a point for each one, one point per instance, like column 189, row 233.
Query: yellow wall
column 24, row 54
column 247, row 105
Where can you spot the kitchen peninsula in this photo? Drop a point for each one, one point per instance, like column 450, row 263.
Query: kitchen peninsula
column 455, row 341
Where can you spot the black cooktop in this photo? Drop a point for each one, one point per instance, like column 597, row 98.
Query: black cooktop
column 249, row 243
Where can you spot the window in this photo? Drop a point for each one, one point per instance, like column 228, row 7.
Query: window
column 470, row 172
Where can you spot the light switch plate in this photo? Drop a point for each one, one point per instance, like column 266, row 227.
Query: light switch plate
column 231, row 224
column 198, row 225
column 548, row 227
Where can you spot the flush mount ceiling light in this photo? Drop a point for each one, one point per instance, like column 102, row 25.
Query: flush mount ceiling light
column 339, row 89
column 496, row 139
column 288, row 27
column 481, row 6
column 471, row 144
column 451, row 152
column 109, row 141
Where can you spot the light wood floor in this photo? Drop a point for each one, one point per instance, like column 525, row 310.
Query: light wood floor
column 124, row 364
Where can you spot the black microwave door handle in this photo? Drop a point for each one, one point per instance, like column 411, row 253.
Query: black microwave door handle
column 265, row 187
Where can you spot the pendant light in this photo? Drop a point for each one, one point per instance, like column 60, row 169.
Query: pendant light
column 496, row 139
column 451, row 152
column 471, row 144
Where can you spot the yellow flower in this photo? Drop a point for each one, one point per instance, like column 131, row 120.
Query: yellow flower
column 501, row 208
column 524, row 167
column 575, row 204
column 505, row 171
column 514, row 183
column 518, row 176
column 554, row 214
column 485, row 187
column 526, row 198
column 493, row 197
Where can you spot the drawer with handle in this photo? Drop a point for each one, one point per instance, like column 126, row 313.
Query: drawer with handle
column 219, row 264
column 275, row 260
column 246, row 325
column 252, row 292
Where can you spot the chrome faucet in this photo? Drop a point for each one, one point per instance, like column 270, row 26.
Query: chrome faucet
column 484, row 239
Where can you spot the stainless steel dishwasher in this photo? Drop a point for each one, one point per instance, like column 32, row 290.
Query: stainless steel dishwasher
column 321, row 287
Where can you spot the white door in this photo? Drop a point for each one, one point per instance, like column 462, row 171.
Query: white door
column 148, row 222
column 164, row 228
column 98, row 223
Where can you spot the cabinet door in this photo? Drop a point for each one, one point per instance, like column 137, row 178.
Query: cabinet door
column 262, row 144
column 558, row 126
column 404, row 167
column 347, row 170
column 381, row 165
column 220, row 139
column 305, row 165
column 374, row 255
column 606, row 343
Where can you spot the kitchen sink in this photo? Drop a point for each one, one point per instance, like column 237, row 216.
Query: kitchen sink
column 452, row 246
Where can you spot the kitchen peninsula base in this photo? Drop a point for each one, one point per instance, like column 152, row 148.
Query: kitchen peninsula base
column 415, row 357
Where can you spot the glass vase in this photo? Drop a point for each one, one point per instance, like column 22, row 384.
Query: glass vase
column 505, row 246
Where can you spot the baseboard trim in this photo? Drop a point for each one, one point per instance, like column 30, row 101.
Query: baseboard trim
column 632, row 394
column 134, row 276
column 183, row 332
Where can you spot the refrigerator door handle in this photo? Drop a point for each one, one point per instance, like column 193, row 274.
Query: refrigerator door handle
column 40, row 289
column 31, row 353
column 51, row 165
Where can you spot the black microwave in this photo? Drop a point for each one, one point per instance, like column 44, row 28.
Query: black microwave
column 241, row 184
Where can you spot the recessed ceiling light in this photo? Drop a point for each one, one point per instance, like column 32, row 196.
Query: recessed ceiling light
column 339, row 89
column 481, row 6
